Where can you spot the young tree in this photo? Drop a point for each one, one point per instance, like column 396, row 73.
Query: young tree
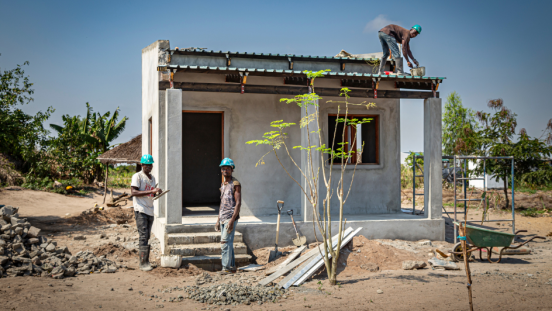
column 342, row 153
column 496, row 140
column 460, row 128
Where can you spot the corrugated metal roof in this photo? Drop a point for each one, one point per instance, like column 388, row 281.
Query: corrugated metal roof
column 268, row 55
column 298, row 72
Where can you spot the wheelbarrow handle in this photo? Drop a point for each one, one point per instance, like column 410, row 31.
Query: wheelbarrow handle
column 520, row 231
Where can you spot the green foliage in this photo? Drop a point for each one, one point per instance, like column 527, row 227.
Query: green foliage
column 121, row 176
column 81, row 140
column 22, row 135
column 460, row 128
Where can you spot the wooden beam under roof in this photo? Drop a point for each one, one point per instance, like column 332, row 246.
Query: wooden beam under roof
column 291, row 90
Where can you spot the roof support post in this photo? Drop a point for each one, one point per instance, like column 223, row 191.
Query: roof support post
column 173, row 155
column 309, row 164
column 433, row 191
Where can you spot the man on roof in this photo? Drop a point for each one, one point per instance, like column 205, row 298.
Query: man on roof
column 390, row 36
column 229, row 213
column 143, row 189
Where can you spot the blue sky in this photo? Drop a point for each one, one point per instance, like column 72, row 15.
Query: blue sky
column 91, row 51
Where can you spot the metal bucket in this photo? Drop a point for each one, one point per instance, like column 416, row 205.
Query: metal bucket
column 418, row 71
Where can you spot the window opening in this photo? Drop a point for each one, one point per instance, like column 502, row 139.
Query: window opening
column 367, row 133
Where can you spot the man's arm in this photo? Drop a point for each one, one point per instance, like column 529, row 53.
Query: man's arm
column 137, row 193
column 237, row 197
column 407, row 52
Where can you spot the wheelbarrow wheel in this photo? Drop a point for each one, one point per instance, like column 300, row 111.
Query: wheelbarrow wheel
column 458, row 250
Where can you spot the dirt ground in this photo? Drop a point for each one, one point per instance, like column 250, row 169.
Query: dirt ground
column 521, row 282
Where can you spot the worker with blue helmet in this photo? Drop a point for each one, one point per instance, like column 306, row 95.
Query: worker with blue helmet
column 143, row 189
column 229, row 213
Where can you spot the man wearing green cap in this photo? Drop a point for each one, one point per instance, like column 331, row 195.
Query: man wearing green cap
column 390, row 36
column 143, row 189
column 229, row 213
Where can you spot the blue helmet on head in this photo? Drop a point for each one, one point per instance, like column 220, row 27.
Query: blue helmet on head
column 146, row 159
column 227, row 162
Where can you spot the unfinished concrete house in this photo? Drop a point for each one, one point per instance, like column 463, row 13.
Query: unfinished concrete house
column 201, row 106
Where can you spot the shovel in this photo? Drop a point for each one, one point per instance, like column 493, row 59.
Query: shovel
column 301, row 239
column 275, row 253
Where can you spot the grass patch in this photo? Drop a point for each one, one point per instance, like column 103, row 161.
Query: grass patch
column 533, row 212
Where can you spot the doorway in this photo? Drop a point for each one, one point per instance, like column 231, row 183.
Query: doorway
column 202, row 151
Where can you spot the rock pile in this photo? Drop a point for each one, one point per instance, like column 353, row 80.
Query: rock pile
column 226, row 294
column 23, row 252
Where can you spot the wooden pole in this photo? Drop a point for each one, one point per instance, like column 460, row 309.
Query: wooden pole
column 466, row 260
column 105, row 183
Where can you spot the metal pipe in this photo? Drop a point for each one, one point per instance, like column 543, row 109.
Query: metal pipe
column 465, row 184
column 481, row 158
column 513, row 197
column 454, row 186
column 414, row 184
column 494, row 220
column 485, row 189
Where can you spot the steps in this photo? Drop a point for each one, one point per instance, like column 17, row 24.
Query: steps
column 203, row 248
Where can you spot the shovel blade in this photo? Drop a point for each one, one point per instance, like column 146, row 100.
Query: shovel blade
column 274, row 255
column 300, row 241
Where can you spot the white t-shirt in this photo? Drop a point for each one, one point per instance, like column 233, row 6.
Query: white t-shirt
column 143, row 183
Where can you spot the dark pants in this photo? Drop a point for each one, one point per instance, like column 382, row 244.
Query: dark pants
column 143, row 223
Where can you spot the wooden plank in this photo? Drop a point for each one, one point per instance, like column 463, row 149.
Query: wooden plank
column 295, row 263
column 321, row 262
column 291, row 90
column 293, row 277
column 296, row 252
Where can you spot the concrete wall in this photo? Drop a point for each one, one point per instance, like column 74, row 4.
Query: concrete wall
column 376, row 188
column 247, row 116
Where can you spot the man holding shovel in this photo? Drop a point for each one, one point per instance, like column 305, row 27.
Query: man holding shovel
column 143, row 188
column 229, row 213
column 390, row 36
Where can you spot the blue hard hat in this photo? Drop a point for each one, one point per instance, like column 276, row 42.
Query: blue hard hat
column 146, row 159
column 418, row 28
column 227, row 162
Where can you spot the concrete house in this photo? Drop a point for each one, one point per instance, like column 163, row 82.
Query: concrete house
column 200, row 106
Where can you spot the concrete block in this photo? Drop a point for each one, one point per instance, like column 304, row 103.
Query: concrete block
column 6, row 227
column 50, row 248
column 15, row 221
column 19, row 231
column 33, row 241
column 33, row 232
column 173, row 261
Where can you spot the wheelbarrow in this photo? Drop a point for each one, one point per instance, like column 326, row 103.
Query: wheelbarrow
column 479, row 239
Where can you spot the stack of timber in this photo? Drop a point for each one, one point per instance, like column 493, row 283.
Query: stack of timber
column 309, row 263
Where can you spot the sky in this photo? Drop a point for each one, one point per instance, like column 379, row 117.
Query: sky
column 90, row 51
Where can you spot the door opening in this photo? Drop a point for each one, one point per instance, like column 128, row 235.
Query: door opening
column 202, row 151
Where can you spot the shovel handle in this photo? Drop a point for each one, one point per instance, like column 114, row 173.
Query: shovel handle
column 277, row 229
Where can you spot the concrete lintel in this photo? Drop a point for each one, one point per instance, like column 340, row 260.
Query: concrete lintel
column 173, row 155
column 433, row 193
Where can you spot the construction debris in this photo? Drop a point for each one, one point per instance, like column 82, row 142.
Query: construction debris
column 413, row 265
column 226, row 294
column 24, row 252
column 443, row 264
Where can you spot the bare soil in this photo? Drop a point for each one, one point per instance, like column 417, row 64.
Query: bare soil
column 521, row 282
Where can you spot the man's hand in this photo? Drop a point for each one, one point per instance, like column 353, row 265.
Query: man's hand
column 156, row 190
column 230, row 226
column 416, row 62
column 217, row 226
column 409, row 64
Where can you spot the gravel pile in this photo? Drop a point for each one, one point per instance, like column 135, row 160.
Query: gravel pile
column 24, row 252
column 226, row 294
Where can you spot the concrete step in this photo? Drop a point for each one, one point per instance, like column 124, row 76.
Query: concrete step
column 199, row 238
column 204, row 249
column 208, row 259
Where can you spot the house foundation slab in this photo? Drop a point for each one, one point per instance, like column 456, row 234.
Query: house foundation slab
column 260, row 232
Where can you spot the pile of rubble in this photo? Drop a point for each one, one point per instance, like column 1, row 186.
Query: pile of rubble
column 226, row 294
column 23, row 252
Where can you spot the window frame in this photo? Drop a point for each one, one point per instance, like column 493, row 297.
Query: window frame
column 377, row 116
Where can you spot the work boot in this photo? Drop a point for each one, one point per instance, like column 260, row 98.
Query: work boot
column 399, row 67
column 144, row 258
column 381, row 69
